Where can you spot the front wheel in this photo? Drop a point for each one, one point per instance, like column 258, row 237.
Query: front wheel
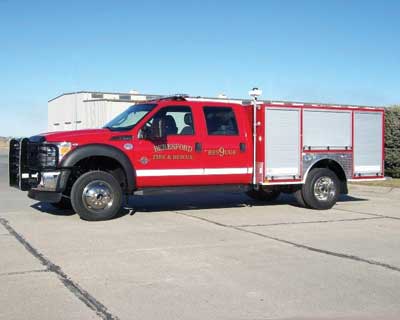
column 321, row 190
column 96, row 196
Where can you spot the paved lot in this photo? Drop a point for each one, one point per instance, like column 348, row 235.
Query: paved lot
column 202, row 256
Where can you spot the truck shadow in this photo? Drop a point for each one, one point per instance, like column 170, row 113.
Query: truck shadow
column 209, row 200
column 49, row 209
column 178, row 201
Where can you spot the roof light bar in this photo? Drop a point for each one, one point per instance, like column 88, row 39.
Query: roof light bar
column 177, row 97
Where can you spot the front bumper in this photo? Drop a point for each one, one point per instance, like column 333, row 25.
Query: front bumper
column 49, row 181
column 48, row 189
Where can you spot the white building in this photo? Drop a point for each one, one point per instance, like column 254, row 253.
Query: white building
column 86, row 109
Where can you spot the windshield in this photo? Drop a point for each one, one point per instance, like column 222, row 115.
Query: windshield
column 130, row 117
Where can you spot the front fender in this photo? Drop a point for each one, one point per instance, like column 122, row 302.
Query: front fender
column 101, row 150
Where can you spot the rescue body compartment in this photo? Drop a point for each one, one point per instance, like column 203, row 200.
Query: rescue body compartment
column 292, row 138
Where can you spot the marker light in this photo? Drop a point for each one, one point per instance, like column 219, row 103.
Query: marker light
column 63, row 149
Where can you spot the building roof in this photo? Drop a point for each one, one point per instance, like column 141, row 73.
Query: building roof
column 148, row 97
column 104, row 92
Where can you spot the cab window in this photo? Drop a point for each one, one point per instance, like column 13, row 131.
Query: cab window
column 173, row 120
column 221, row 121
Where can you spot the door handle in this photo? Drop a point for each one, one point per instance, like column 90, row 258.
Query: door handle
column 197, row 147
column 242, row 147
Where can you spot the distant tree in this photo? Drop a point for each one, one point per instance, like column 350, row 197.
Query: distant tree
column 392, row 141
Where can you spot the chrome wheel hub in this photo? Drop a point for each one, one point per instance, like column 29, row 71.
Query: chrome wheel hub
column 324, row 188
column 97, row 195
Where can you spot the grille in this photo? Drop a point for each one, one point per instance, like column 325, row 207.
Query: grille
column 27, row 159
column 42, row 156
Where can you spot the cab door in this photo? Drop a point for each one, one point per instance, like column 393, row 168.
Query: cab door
column 227, row 151
column 167, row 152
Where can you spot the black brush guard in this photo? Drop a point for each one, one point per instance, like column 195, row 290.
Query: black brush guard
column 27, row 159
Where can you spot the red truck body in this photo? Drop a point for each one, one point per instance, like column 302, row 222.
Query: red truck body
column 181, row 141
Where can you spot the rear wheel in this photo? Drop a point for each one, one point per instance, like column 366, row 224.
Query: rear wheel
column 96, row 195
column 298, row 194
column 264, row 194
column 321, row 190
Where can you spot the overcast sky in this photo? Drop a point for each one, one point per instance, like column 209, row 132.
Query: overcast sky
column 328, row 51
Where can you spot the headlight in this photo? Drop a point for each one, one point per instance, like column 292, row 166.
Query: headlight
column 63, row 148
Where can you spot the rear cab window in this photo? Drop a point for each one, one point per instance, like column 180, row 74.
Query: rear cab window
column 220, row 121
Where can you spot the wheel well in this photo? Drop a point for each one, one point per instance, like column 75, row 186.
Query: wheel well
column 102, row 163
column 336, row 168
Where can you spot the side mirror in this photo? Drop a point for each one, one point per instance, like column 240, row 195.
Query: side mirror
column 154, row 130
column 145, row 133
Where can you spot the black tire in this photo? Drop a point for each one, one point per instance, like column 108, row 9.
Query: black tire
column 298, row 194
column 101, row 189
column 313, row 196
column 264, row 194
column 63, row 204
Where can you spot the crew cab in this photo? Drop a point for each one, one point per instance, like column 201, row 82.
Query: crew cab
column 310, row 150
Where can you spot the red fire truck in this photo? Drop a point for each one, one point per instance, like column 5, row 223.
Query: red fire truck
column 311, row 150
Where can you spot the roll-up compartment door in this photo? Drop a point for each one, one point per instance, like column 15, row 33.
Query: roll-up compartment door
column 326, row 129
column 368, row 143
column 282, row 143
